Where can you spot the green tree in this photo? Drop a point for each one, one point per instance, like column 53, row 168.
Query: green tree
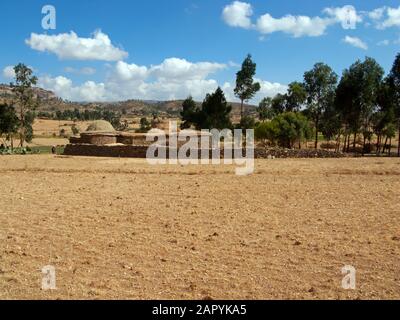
column 189, row 114
column 26, row 100
column 264, row 109
column 285, row 130
column 357, row 96
column 296, row 97
column 246, row 88
column 383, row 119
column 320, row 84
column 278, row 104
column 395, row 83
column 215, row 112
column 9, row 122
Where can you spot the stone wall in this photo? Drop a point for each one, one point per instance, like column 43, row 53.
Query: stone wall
column 129, row 151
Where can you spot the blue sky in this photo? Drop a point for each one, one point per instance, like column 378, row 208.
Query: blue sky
column 170, row 49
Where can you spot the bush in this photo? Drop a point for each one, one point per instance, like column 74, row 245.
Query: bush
column 285, row 130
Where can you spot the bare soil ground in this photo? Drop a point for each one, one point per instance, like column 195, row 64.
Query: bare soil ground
column 120, row 228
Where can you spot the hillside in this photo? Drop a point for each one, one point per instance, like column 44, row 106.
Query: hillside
column 51, row 103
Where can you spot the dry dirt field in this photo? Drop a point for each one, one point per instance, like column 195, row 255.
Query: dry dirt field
column 122, row 229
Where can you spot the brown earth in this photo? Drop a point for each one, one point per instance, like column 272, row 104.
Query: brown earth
column 120, row 228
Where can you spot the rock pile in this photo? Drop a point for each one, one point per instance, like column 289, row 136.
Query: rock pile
column 271, row 153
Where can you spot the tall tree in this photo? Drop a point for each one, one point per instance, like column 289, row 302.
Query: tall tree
column 189, row 113
column 215, row 112
column 26, row 100
column 264, row 109
column 395, row 83
column 383, row 120
column 278, row 103
column 9, row 122
column 320, row 84
column 357, row 96
column 296, row 97
column 246, row 88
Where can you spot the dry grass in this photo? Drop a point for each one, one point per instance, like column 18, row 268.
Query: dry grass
column 119, row 228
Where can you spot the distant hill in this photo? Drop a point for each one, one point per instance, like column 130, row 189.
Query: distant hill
column 51, row 103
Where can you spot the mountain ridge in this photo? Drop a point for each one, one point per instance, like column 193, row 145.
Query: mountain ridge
column 51, row 103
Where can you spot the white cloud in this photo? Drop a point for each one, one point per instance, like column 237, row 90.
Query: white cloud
column 383, row 43
column 377, row 14
column 178, row 69
column 238, row 14
column 347, row 16
column 356, row 42
column 297, row 26
column 268, row 89
column 126, row 72
column 70, row 46
column 393, row 18
column 172, row 79
column 87, row 71
column 8, row 72
column 62, row 86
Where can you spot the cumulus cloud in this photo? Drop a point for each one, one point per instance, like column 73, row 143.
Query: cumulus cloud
column 356, row 42
column 347, row 16
column 8, row 72
column 377, row 14
column 63, row 87
column 178, row 69
column 393, row 18
column 172, row 79
column 238, row 14
column 297, row 26
column 126, row 72
column 70, row 46
column 385, row 17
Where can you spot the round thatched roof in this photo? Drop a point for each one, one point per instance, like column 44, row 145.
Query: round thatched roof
column 100, row 126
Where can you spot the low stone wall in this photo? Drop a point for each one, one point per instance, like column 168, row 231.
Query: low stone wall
column 90, row 150
column 129, row 151
column 279, row 153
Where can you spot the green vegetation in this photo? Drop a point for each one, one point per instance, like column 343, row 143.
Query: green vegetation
column 360, row 107
column 26, row 102
column 214, row 112
column 246, row 88
column 285, row 130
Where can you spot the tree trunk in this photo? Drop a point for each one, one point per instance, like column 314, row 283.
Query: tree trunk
column 385, row 145
column 241, row 111
column 378, row 145
column 345, row 142
column 398, row 149
column 390, row 147
column 348, row 143
column 316, row 132
column 363, row 151
column 338, row 141
column 354, row 141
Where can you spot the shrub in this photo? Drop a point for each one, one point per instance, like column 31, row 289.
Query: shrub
column 285, row 130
